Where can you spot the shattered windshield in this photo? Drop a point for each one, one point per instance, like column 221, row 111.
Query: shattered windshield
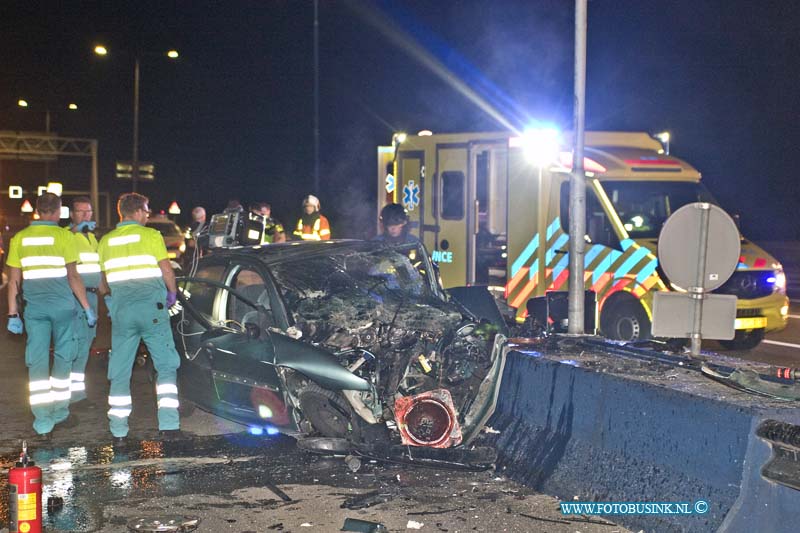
column 644, row 206
column 381, row 273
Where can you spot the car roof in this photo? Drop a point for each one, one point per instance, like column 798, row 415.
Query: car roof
column 296, row 250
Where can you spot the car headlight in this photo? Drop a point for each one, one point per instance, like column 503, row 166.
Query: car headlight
column 778, row 280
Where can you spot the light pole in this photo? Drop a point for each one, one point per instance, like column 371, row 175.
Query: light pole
column 102, row 51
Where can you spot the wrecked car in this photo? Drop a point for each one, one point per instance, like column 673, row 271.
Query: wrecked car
column 350, row 345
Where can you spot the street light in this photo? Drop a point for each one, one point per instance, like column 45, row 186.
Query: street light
column 24, row 104
column 102, row 51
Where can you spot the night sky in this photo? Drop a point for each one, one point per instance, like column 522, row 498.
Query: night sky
column 234, row 116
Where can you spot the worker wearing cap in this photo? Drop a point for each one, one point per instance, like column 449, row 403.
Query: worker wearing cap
column 41, row 262
column 137, row 271
column 395, row 226
column 313, row 225
column 82, row 226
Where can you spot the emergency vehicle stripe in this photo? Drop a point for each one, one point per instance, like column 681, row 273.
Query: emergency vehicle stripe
column 526, row 290
column 42, row 260
column 648, row 269
column 129, row 261
column 88, row 269
column 631, row 261
column 559, row 281
column 526, row 254
column 515, row 280
column 551, row 229
column 593, row 252
column 534, row 269
column 605, row 265
column 43, row 273
column 602, row 281
column 89, row 257
column 559, row 242
column 126, row 275
column 560, row 266
column 38, row 241
column 124, row 239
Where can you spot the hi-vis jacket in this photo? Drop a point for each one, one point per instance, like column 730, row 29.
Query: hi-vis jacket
column 42, row 251
column 314, row 227
column 129, row 256
column 88, row 259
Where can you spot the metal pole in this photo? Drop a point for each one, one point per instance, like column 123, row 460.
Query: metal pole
column 316, row 97
column 698, row 291
column 577, row 181
column 94, row 193
column 135, row 157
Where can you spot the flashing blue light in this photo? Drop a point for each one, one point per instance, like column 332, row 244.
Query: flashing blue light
column 569, row 362
column 272, row 431
column 255, row 430
column 532, row 353
column 771, row 280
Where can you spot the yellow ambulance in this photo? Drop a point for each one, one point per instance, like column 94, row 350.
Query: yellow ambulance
column 492, row 209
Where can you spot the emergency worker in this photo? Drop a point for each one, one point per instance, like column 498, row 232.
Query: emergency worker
column 394, row 222
column 82, row 226
column 273, row 230
column 41, row 262
column 136, row 268
column 313, row 225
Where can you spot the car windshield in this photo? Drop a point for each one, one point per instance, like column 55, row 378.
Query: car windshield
column 644, row 206
column 165, row 228
column 381, row 273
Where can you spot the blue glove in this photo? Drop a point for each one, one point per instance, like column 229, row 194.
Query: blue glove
column 86, row 226
column 172, row 297
column 91, row 317
column 15, row 325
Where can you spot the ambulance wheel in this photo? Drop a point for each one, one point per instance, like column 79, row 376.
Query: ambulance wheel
column 626, row 321
column 744, row 340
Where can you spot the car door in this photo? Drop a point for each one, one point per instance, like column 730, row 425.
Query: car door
column 242, row 364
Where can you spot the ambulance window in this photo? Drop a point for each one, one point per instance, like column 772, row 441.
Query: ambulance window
column 599, row 229
column 482, row 181
column 452, row 195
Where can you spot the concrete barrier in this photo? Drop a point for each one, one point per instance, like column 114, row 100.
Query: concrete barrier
column 609, row 429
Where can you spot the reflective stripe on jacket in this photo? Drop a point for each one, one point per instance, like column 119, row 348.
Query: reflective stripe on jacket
column 319, row 231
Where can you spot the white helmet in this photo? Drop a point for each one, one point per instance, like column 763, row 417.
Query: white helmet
column 313, row 200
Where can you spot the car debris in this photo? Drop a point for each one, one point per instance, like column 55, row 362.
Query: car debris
column 352, row 347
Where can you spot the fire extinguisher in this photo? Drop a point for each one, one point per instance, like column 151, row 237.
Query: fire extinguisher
column 25, row 495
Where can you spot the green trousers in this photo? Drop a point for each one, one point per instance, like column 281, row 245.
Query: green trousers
column 132, row 321
column 78, row 373
column 50, row 389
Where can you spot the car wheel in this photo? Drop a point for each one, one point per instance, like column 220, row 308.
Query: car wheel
column 744, row 340
column 627, row 321
column 328, row 412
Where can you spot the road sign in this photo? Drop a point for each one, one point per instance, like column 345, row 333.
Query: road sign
column 174, row 209
column 146, row 170
column 698, row 250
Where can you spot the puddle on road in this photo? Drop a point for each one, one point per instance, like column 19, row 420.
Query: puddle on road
column 86, row 477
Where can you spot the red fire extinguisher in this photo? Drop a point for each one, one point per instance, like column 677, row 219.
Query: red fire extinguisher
column 25, row 495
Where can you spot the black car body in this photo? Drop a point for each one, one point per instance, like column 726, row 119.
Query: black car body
column 339, row 339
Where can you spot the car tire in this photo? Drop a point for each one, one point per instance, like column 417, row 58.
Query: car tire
column 626, row 321
column 328, row 412
column 744, row 340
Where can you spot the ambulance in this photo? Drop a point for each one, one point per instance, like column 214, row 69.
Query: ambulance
column 492, row 209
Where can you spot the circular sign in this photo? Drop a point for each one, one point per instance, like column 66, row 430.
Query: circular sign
column 680, row 246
